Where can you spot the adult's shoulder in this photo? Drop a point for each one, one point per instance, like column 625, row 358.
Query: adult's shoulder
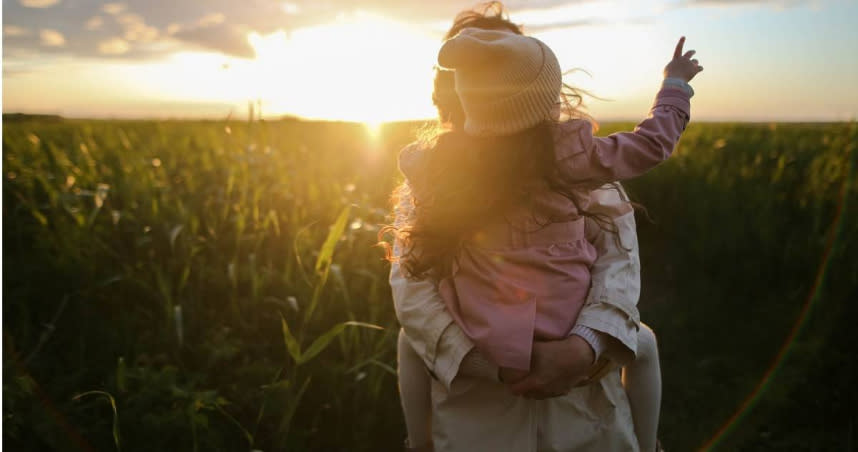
column 610, row 199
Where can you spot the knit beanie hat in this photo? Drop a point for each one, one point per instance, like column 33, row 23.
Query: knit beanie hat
column 506, row 82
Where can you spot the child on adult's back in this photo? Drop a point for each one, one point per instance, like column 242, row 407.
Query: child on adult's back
column 499, row 206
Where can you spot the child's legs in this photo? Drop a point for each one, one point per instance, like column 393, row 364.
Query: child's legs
column 414, row 391
column 642, row 380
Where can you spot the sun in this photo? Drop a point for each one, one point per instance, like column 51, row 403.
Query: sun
column 373, row 128
column 360, row 67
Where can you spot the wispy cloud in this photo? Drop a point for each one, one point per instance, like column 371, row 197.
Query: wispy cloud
column 86, row 26
column 775, row 4
column 13, row 30
column 135, row 28
column 224, row 38
column 151, row 28
column 113, row 8
column 589, row 22
column 211, row 19
column 94, row 23
column 38, row 3
column 745, row 2
column 113, row 46
column 51, row 38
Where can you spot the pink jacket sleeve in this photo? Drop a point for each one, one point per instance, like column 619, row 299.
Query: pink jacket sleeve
column 585, row 158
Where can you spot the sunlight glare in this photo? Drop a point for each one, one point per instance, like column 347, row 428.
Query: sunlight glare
column 373, row 128
column 361, row 67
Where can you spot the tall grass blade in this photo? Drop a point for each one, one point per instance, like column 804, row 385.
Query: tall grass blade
column 292, row 345
column 247, row 434
column 323, row 262
column 324, row 340
column 289, row 412
column 115, row 413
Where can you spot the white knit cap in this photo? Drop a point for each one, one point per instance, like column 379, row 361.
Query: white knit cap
column 506, row 82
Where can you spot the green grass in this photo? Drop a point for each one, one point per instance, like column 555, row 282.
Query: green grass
column 201, row 276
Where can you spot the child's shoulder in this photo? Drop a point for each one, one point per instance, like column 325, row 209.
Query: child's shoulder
column 570, row 136
column 575, row 126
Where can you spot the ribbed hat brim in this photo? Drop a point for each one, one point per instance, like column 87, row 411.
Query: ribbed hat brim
column 528, row 106
column 506, row 82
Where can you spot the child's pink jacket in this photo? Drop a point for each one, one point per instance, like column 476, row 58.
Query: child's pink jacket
column 517, row 280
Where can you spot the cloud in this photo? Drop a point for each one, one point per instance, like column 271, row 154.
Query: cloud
column 135, row 28
column 14, row 31
column 94, row 23
column 211, row 19
column 38, row 3
column 290, row 8
column 224, row 38
column 217, row 25
column 113, row 46
column 588, row 22
column 51, row 38
column 779, row 4
column 113, row 8
column 153, row 28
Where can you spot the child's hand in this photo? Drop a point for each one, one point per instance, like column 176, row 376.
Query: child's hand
column 682, row 66
column 509, row 375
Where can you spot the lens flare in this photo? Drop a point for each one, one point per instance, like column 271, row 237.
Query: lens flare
column 835, row 236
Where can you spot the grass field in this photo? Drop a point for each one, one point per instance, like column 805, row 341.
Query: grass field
column 186, row 286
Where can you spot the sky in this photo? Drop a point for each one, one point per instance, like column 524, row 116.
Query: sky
column 371, row 61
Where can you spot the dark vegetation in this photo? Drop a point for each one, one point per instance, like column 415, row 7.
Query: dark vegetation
column 186, row 286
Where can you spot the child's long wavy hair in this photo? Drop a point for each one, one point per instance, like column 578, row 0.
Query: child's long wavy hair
column 466, row 180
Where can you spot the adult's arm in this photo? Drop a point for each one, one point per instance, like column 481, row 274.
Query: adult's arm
column 423, row 315
column 611, row 305
column 610, row 309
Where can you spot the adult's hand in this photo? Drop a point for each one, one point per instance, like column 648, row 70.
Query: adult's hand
column 556, row 366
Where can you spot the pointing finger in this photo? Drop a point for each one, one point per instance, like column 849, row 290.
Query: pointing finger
column 678, row 51
column 689, row 54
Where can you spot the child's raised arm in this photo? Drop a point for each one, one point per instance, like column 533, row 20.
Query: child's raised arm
column 585, row 158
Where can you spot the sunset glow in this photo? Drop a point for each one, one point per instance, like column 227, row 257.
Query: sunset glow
column 764, row 60
column 351, row 69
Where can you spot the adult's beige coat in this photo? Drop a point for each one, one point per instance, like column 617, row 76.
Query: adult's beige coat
column 478, row 414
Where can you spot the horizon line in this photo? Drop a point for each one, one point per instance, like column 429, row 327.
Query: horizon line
column 290, row 117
